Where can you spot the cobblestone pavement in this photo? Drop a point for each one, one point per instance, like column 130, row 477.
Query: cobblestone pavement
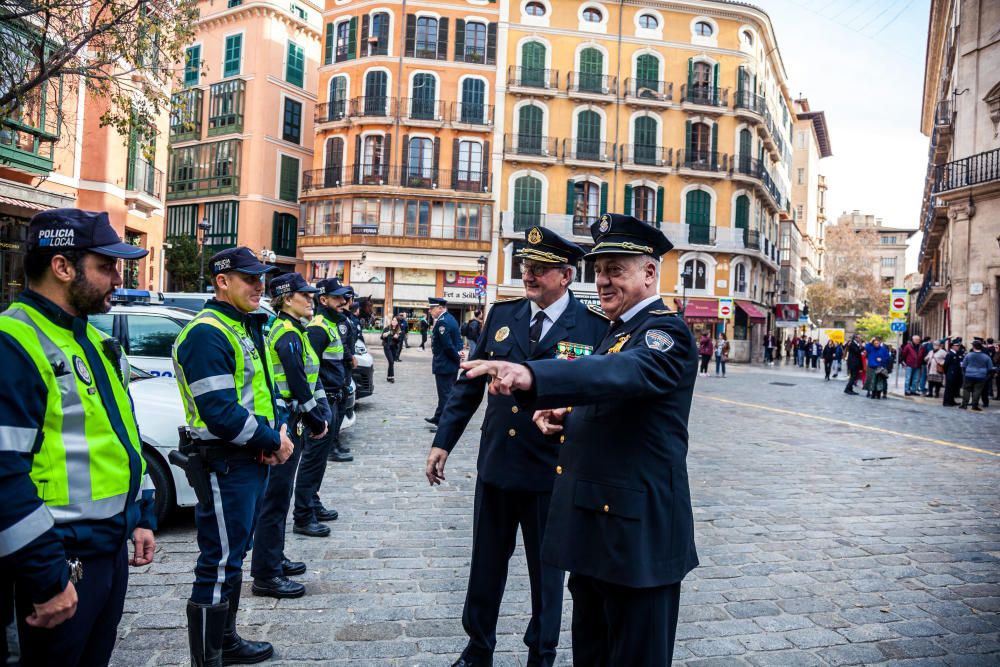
column 821, row 542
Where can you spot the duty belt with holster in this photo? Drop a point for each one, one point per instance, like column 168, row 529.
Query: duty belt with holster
column 195, row 457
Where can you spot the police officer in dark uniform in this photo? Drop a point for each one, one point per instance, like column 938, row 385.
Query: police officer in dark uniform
column 516, row 462
column 620, row 519
column 302, row 405
column 446, row 348
column 349, row 333
column 226, row 383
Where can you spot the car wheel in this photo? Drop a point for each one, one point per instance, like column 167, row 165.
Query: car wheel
column 165, row 498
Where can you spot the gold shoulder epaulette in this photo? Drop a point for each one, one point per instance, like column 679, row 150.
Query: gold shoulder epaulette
column 663, row 312
column 597, row 311
column 508, row 299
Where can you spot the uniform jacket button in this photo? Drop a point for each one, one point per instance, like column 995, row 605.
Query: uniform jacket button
column 562, row 439
column 558, row 470
column 569, row 409
column 513, row 409
column 512, row 433
column 607, row 509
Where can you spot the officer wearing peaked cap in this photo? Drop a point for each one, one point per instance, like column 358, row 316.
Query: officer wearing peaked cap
column 620, row 519
column 446, row 352
column 226, row 383
column 517, row 464
column 71, row 465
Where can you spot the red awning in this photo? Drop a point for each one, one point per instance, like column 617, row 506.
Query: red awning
column 702, row 310
column 23, row 204
column 752, row 311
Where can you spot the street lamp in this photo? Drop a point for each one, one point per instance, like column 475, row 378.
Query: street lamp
column 482, row 272
column 204, row 226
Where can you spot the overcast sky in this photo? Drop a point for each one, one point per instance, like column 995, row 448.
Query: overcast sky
column 862, row 62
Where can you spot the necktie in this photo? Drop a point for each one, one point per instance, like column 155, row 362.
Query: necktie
column 535, row 332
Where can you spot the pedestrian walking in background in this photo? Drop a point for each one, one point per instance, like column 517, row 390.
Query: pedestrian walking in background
column 935, row 368
column 922, row 379
column 424, row 323
column 817, row 353
column 977, row 368
column 879, row 361
column 829, row 351
column 800, row 352
column 391, row 334
column 855, row 362
column 704, row 353
column 790, row 346
column 721, row 354
column 404, row 327
column 912, row 355
column 770, row 347
column 953, row 372
column 838, row 357
column 471, row 330
column 996, row 366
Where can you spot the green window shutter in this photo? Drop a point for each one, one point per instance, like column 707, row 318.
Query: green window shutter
column 295, row 68
column 328, row 47
column 442, row 43
column 459, row 40
column 659, row 204
column 715, row 84
column 604, row 197
column 352, row 38
column 133, row 149
column 192, row 65
column 690, row 72
column 570, row 196
column 233, row 54
column 715, row 140
column 687, row 137
column 742, row 212
column 288, row 184
column 628, row 200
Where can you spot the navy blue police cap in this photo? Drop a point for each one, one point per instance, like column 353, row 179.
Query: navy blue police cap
column 240, row 258
column 287, row 283
column 616, row 234
column 332, row 287
column 74, row 229
column 547, row 247
column 436, row 301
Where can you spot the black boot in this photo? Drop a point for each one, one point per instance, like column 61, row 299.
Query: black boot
column 206, row 626
column 235, row 649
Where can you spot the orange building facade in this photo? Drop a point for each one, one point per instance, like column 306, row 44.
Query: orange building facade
column 399, row 197
column 241, row 127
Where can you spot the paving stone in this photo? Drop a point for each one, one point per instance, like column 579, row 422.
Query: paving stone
column 814, row 637
column 715, row 647
column 858, row 654
column 910, row 648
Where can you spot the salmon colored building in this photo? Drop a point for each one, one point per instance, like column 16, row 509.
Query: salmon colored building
column 55, row 154
column 241, row 127
column 677, row 113
column 399, row 199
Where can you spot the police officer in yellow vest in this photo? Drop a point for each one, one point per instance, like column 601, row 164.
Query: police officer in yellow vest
column 302, row 405
column 226, row 383
column 71, row 465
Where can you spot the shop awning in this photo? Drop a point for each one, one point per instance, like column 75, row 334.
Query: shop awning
column 701, row 310
column 12, row 201
column 752, row 311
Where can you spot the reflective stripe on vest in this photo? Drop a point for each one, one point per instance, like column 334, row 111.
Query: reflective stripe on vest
column 249, row 381
column 81, row 470
column 310, row 361
column 335, row 348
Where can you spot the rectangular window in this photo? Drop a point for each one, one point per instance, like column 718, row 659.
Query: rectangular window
column 888, row 240
column 301, row 13
column 292, row 128
column 888, row 262
column 426, row 37
column 233, row 54
column 295, row 67
column 800, row 212
column 418, row 218
column 801, row 176
column 234, row 3
column 343, row 30
column 182, row 221
column 467, row 222
column 192, row 65
column 223, row 218
column 288, row 183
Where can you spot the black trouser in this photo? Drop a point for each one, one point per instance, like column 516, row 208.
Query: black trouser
column 444, row 383
column 313, row 465
column 827, row 367
column 614, row 625
column 423, row 340
column 88, row 638
column 704, row 363
column 496, row 517
column 390, row 356
column 952, row 389
column 973, row 389
column 269, row 536
column 852, row 379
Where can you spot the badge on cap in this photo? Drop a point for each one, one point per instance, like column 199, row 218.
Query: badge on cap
column 535, row 236
column 501, row 334
column 81, row 370
column 659, row 340
column 605, row 223
column 223, row 265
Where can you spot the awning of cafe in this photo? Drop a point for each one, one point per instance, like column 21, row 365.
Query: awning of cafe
column 753, row 312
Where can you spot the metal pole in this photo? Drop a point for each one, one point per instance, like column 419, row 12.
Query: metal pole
column 201, row 273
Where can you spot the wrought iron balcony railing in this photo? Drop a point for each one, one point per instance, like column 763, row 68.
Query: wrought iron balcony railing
column 530, row 145
column 701, row 160
column 472, row 113
column 976, row 169
column 646, row 155
column 595, row 84
column 419, row 176
column 328, row 112
column 531, row 77
column 705, row 95
column 649, row 89
column 588, row 150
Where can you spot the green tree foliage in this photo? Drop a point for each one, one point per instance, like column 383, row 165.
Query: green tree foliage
column 184, row 263
column 850, row 284
column 873, row 324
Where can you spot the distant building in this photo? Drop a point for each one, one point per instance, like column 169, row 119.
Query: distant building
column 889, row 252
column 810, row 144
column 960, row 218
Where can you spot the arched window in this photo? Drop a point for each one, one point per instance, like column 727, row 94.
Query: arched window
column 703, row 29
column 529, row 130
column 592, row 15
column 649, row 22
column 698, row 216
column 470, row 165
column 337, row 107
column 740, row 279
column 376, row 93
column 533, row 65
column 534, row 9
column 647, row 76
column 746, row 38
column 588, row 135
column 527, row 203
column 378, row 40
column 586, row 205
column 644, row 204
column 645, row 140
column 742, row 212
column 701, row 79
column 475, row 42
column 423, row 99
column 420, row 160
column 695, row 274
column 373, row 160
column 473, row 101
column 333, row 173
column 426, row 37
column 591, row 77
column 745, row 162
column 699, row 145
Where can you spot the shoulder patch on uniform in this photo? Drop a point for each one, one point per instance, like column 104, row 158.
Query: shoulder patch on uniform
column 597, row 311
column 659, row 340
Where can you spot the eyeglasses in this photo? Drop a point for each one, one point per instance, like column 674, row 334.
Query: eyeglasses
column 538, row 270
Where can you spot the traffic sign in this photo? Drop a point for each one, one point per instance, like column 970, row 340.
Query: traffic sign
column 480, row 282
column 898, row 326
column 725, row 308
column 480, row 292
column 899, row 300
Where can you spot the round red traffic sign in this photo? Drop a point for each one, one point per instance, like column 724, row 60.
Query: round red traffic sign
column 899, row 303
column 724, row 310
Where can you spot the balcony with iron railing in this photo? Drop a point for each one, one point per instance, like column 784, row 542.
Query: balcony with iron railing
column 644, row 157
column 373, row 107
column 416, row 109
column 417, row 176
column 702, row 95
column 640, row 92
column 974, row 171
column 531, row 146
column 472, row 113
column 185, row 115
column 751, row 239
column 143, row 177
column 703, row 161
column 747, row 100
column 532, row 80
column 225, row 107
column 331, row 112
column 591, row 86
column 701, row 234
column 588, row 150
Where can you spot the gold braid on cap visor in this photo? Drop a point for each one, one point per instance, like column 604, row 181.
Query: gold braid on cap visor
column 541, row 256
column 625, row 245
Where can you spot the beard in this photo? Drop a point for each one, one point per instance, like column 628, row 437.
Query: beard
column 85, row 298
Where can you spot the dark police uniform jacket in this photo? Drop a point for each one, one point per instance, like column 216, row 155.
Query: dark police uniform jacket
column 513, row 453
column 621, row 508
column 446, row 343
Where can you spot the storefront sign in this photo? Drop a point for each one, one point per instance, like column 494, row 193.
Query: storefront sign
column 367, row 230
column 786, row 315
column 461, row 278
column 460, row 294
